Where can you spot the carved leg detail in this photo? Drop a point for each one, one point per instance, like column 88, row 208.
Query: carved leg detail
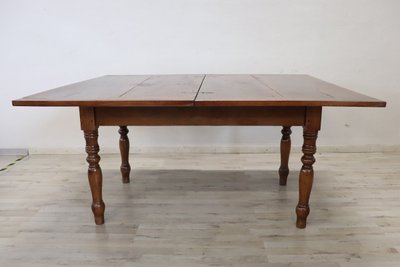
column 94, row 174
column 124, row 149
column 285, row 152
column 306, row 177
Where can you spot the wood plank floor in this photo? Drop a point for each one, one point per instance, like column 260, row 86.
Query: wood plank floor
column 201, row 210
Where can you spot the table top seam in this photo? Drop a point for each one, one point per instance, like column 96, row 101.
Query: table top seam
column 198, row 90
column 136, row 85
column 265, row 84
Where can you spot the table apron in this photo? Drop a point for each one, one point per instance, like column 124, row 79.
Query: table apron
column 167, row 116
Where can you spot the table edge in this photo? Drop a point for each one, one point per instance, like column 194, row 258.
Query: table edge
column 185, row 103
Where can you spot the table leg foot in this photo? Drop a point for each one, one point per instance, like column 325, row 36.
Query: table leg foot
column 95, row 175
column 285, row 152
column 306, row 177
column 124, row 149
column 98, row 212
column 302, row 213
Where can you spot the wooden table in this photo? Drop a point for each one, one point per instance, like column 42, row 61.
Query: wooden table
column 122, row 100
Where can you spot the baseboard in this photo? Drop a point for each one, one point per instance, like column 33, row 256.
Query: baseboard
column 14, row 151
column 244, row 149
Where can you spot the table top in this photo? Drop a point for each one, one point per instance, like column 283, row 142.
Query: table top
column 200, row 90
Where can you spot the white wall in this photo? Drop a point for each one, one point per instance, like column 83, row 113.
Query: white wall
column 45, row 44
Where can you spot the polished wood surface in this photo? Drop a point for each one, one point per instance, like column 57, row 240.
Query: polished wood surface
column 277, row 90
column 95, row 175
column 284, row 100
column 205, row 90
column 122, row 90
column 124, row 150
column 164, row 116
column 285, row 152
column 310, row 133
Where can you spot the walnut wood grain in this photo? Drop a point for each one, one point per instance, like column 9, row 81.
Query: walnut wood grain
column 306, row 177
column 277, row 90
column 201, row 90
column 175, row 88
column 307, row 90
column 159, row 116
column 121, row 90
column 285, row 152
column 124, row 150
column 95, row 175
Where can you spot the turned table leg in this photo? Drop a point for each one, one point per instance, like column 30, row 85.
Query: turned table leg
column 285, row 152
column 94, row 174
column 310, row 134
column 124, row 149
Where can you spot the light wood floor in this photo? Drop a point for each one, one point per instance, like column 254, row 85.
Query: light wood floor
column 201, row 210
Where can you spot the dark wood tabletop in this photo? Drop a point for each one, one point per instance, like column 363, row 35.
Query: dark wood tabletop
column 200, row 90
